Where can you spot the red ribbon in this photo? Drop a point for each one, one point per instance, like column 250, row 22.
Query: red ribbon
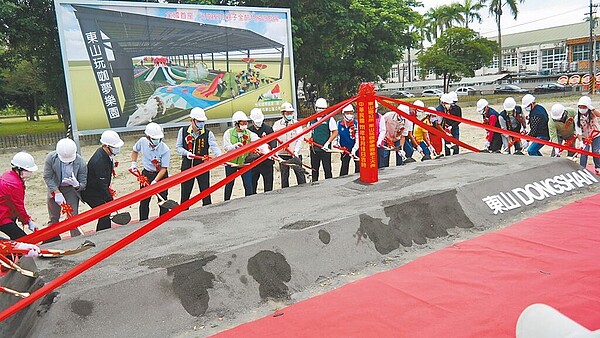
column 66, row 209
column 189, row 140
column 112, row 192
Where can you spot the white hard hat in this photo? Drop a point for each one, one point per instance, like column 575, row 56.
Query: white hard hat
column 404, row 108
column 321, row 103
column 286, row 106
column 419, row 103
column 198, row 113
column 453, row 96
column 239, row 116
column 446, row 98
column 257, row 115
column 527, row 100
column 557, row 111
column 23, row 160
column 66, row 150
column 154, row 130
column 111, row 138
column 348, row 108
column 481, row 104
column 585, row 101
column 509, row 104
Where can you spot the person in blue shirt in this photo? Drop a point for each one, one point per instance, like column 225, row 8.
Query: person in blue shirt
column 155, row 160
column 347, row 129
column 538, row 122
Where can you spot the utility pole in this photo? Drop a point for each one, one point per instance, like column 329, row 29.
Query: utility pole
column 592, row 88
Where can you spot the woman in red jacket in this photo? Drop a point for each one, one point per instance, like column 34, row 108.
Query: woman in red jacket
column 12, row 196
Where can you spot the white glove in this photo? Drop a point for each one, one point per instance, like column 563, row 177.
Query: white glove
column 297, row 153
column 34, row 250
column 32, row 226
column 379, row 145
column 487, row 144
column 419, row 149
column 402, row 153
column 153, row 182
column 189, row 156
column 326, row 145
column 59, row 198
column 431, row 149
column 133, row 166
column 237, row 145
column 581, row 146
column 72, row 181
column 354, row 151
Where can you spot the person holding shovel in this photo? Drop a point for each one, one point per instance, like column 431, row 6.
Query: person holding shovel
column 193, row 144
column 100, row 172
column 292, row 152
column 155, row 159
column 65, row 174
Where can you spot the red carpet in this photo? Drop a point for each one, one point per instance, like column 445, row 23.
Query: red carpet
column 475, row 288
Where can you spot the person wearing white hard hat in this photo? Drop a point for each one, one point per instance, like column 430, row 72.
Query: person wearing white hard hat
column 561, row 127
column 156, row 157
column 394, row 136
column 234, row 138
column 515, row 121
column 65, row 175
column 493, row 140
column 322, row 136
column 12, row 190
column 347, row 139
column 287, row 112
column 587, row 129
column 265, row 168
column 449, row 105
column 411, row 144
column 100, row 172
column 538, row 123
column 193, row 144
column 421, row 135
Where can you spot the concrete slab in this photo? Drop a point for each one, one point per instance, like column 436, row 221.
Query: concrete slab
column 225, row 261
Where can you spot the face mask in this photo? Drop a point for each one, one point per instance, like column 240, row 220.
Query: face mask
column 155, row 141
column 349, row 117
column 583, row 110
column 243, row 127
column 115, row 150
column 528, row 108
column 25, row 175
column 258, row 124
column 289, row 117
column 200, row 125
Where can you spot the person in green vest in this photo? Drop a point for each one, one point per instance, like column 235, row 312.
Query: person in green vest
column 234, row 138
column 322, row 136
column 561, row 128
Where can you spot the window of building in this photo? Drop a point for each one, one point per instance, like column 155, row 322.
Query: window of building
column 494, row 63
column 580, row 52
column 394, row 73
column 553, row 57
column 509, row 60
column 529, row 58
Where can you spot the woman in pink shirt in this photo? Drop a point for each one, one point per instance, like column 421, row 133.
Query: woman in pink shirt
column 12, row 196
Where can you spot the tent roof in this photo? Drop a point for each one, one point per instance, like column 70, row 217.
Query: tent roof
column 137, row 34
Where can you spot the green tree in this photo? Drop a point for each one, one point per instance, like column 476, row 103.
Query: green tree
column 470, row 11
column 443, row 17
column 495, row 8
column 23, row 87
column 456, row 53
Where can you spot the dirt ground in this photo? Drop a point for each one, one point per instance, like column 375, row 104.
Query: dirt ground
column 125, row 183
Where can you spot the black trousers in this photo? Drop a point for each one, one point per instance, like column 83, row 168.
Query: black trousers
column 318, row 156
column 346, row 165
column 496, row 144
column 285, row 172
column 203, row 183
column 103, row 222
column 145, row 204
column 265, row 169
column 12, row 230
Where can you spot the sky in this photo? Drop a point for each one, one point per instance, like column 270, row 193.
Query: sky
column 533, row 14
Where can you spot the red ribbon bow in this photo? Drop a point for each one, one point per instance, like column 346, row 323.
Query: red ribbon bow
column 66, row 209
column 112, row 192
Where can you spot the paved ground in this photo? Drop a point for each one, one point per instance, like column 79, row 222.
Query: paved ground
column 211, row 268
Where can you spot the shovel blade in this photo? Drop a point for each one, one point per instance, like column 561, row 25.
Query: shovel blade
column 122, row 218
column 168, row 204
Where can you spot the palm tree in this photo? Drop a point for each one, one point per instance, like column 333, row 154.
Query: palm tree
column 470, row 11
column 495, row 7
column 443, row 17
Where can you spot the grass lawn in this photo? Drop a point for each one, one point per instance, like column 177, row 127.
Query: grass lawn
column 20, row 126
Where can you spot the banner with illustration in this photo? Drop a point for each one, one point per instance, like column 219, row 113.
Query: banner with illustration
column 127, row 64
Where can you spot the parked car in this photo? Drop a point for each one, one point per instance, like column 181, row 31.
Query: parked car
column 400, row 94
column 510, row 89
column 466, row 91
column 549, row 88
column 432, row 92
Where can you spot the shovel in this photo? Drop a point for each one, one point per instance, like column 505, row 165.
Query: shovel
column 163, row 203
column 120, row 218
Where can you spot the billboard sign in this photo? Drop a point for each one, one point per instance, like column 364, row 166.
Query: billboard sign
column 127, row 64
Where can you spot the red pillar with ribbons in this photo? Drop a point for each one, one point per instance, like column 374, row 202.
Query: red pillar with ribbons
column 366, row 133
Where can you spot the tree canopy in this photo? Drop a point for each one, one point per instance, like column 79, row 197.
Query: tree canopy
column 457, row 52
